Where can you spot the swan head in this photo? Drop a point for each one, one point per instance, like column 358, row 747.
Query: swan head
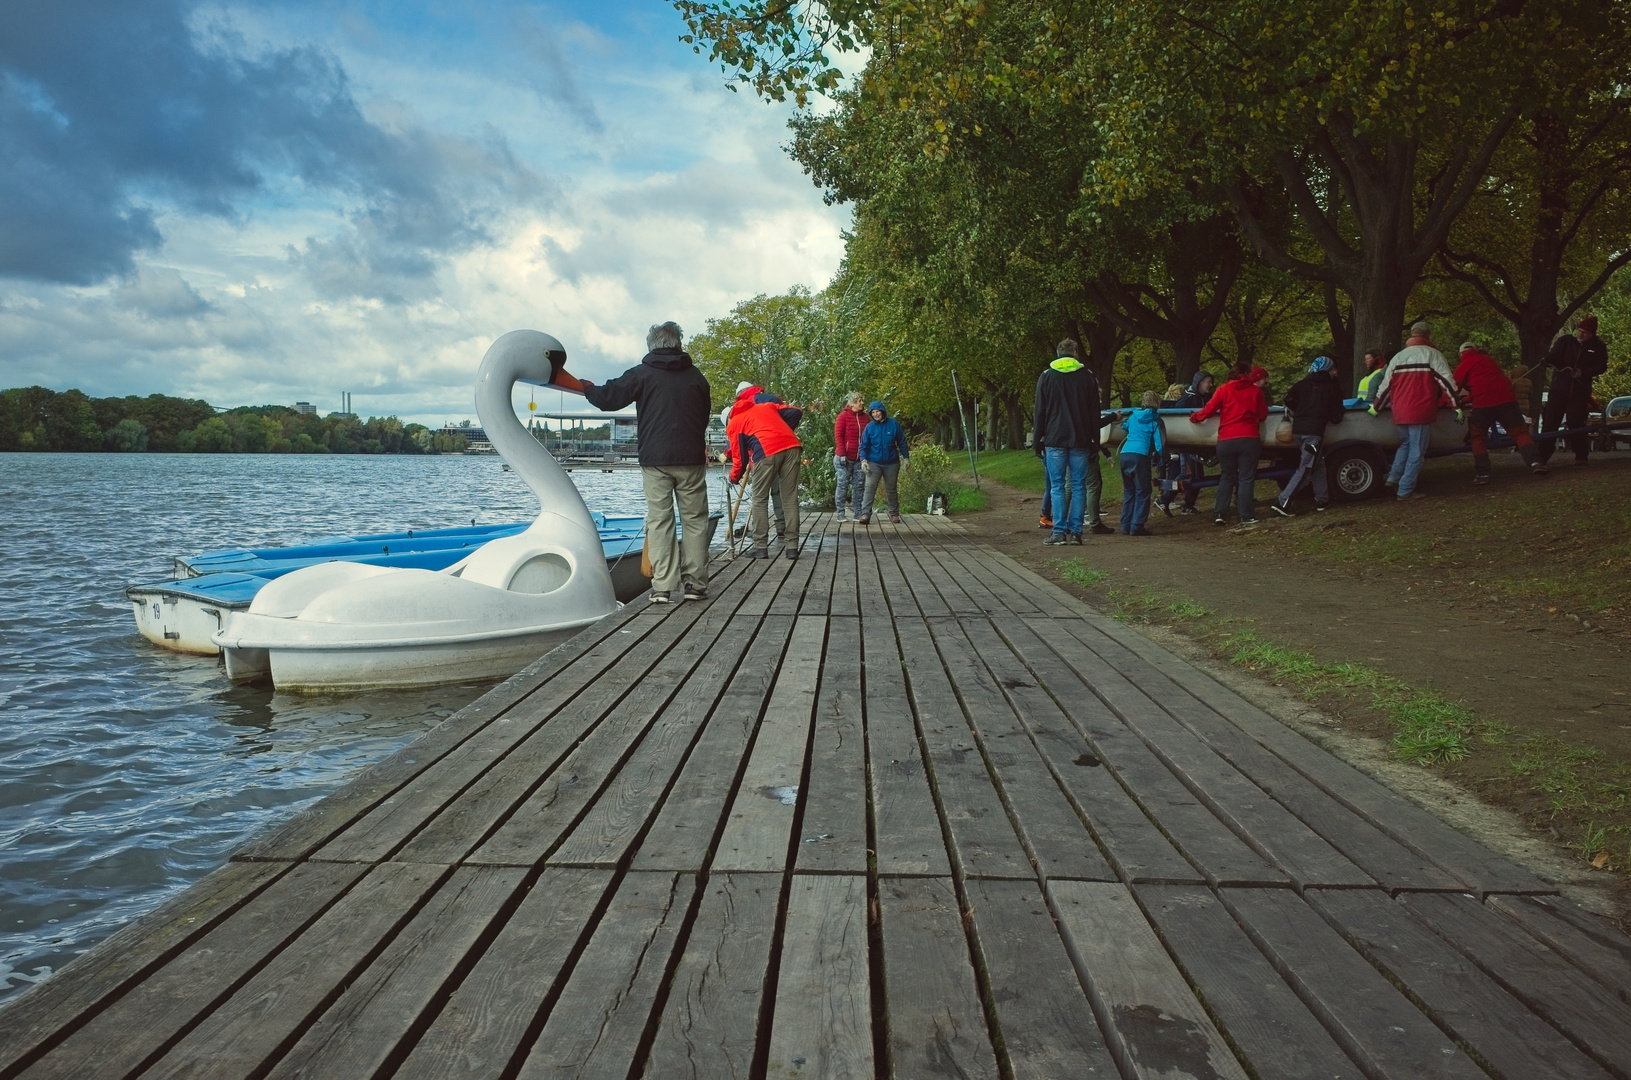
column 521, row 356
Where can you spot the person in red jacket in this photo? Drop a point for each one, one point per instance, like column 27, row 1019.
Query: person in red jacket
column 760, row 436
column 1489, row 394
column 846, row 455
column 1416, row 383
column 1241, row 407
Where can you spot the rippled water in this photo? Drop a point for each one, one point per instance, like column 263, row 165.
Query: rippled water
column 127, row 771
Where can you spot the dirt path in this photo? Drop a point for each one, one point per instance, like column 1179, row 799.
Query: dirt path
column 1537, row 672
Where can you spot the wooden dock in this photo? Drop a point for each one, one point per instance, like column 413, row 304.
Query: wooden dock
column 897, row 808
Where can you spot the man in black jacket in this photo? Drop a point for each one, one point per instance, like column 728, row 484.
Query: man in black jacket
column 670, row 398
column 1313, row 402
column 1066, row 424
column 1576, row 361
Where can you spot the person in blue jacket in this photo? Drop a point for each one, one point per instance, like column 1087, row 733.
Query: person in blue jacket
column 883, row 452
column 1142, row 447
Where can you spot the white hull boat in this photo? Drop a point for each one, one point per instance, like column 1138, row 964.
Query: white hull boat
column 351, row 626
column 1357, row 425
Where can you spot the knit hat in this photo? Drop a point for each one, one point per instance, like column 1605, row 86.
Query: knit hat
column 1321, row 363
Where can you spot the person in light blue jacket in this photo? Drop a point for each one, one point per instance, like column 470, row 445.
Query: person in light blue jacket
column 1143, row 446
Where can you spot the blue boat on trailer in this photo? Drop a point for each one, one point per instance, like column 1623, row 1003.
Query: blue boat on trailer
column 183, row 613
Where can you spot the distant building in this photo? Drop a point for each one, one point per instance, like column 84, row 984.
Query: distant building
column 305, row 408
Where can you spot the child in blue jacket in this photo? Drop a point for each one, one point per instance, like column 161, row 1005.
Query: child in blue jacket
column 1142, row 447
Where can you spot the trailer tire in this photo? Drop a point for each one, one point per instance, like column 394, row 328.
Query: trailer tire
column 1356, row 472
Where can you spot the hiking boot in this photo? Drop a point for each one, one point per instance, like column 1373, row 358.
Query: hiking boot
column 1390, row 482
column 1539, row 469
column 1248, row 521
column 1320, row 508
column 1166, row 508
column 1044, row 522
column 895, row 518
column 1480, row 480
column 1076, row 538
column 660, row 596
column 1220, row 520
column 696, row 592
column 1282, row 511
column 758, row 553
column 1099, row 529
column 792, row 553
column 1141, row 531
column 1056, row 540
column 864, row 519
column 1187, row 511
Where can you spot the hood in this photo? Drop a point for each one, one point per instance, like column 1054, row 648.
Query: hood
column 1066, row 364
column 1195, row 383
column 1256, row 373
column 748, row 392
column 880, row 407
column 668, row 359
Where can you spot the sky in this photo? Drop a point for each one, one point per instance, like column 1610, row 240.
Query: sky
column 263, row 202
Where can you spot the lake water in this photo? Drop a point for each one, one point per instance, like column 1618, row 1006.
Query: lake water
column 128, row 772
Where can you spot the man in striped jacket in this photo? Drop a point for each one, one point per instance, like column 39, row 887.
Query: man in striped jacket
column 1417, row 381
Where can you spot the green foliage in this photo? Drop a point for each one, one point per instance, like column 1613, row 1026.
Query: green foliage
column 35, row 418
column 929, row 471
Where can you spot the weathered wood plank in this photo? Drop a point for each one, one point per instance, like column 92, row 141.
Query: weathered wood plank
column 1570, row 999
column 1373, row 1022
column 917, row 593
column 621, row 810
column 1047, row 1024
column 484, row 1024
column 845, row 600
column 1154, row 1025
column 239, row 1036
column 872, row 601
column 1586, row 941
column 1250, row 812
column 37, row 1018
column 596, row 1024
column 1496, row 1026
column 937, row 1026
column 304, row 833
column 137, row 1025
column 530, row 831
column 450, row 807
column 906, row 825
column 356, row 1035
column 1262, row 1016
column 818, row 593
column 789, row 599
column 1411, row 825
column 983, row 841
column 709, row 1028
column 1053, row 832
column 758, row 830
column 682, row 838
column 832, row 833
column 1203, row 839
column 1134, row 687
column 823, row 1021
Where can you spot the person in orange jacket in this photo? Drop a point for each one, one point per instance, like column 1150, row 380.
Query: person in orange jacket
column 759, row 436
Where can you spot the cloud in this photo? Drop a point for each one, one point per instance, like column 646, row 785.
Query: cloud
column 544, row 68
column 112, row 109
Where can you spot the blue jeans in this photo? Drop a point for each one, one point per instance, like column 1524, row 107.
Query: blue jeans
column 849, row 483
column 1408, row 458
column 1237, row 460
column 1069, row 502
column 1135, row 491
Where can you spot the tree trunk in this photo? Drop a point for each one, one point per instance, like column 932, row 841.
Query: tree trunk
column 1342, row 341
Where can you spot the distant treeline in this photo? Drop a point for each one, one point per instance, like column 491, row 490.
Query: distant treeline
column 35, row 418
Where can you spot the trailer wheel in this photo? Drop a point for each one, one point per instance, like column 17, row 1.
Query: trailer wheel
column 1356, row 472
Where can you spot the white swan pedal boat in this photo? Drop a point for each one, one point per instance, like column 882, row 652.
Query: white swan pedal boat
column 352, row 626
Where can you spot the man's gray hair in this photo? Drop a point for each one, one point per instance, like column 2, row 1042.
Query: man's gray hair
column 1421, row 329
column 664, row 336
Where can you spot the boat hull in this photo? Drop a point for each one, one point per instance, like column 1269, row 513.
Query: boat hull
column 1357, row 425
column 396, row 666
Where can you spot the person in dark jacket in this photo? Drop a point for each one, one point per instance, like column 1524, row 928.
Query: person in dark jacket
column 1314, row 402
column 1065, row 423
column 670, row 399
column 1190, row 468
column 883, row 452
column 1575, row 361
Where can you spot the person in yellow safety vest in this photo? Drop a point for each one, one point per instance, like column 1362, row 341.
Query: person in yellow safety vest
column 1376, row 367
